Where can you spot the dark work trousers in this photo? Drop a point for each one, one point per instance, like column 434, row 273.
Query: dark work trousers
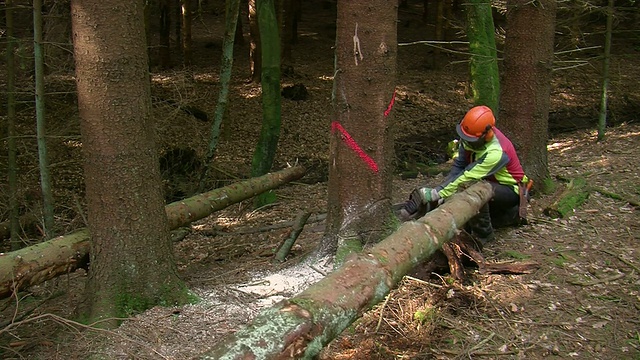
column 500, row 211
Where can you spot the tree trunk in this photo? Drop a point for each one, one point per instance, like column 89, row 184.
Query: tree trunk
column 185, row 31
column 292, row 11
column 255, row 57
column 485, row 81
column 361, row 143
column 526, row 82
column 132, row 264
column 45, row 178
column 602, row 120
column 64, row 254
column 165, row 34
column 12, row 166
column 265, row 151
column 231, row 21
column 300, row 327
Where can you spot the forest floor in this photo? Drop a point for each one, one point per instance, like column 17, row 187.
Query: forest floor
column 583, row 300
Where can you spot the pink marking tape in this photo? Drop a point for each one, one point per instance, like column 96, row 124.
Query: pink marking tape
column 354, row 146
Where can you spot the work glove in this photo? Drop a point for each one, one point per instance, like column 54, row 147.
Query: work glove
column 420, row 197
column 428, row 195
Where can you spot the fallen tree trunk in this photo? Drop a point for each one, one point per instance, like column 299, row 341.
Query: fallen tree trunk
column 300, row 327
column 63, row 254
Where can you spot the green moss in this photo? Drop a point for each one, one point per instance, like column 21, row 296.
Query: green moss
column 548, row 186
column 265, row 199
column 425, row 315
column 561, row 259
column 129, row 304
column 347, row 246
column 515, row 255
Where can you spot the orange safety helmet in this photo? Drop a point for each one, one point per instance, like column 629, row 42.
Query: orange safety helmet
column 476, row 126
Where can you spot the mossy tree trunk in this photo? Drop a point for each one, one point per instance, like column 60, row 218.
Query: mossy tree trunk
column 485, row 80
column 265, row 151
column 526, row 82
column 132, row 264
column 231, row 22
column 361, row 140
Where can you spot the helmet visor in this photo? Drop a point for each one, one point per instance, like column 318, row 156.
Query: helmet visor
column 464, row 136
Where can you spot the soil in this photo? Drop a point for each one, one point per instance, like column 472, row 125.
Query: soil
column 583, row 300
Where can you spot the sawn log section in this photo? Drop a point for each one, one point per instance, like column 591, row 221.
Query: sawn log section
column 64, row 254
column 300, row 327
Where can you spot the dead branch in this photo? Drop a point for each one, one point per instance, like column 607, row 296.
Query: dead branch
column 299, row 223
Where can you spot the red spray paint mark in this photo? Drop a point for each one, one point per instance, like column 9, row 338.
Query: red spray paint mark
column 354, row 146
column 393, row 100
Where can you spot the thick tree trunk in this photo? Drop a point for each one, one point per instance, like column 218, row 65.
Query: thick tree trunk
column 64, row 254
column 361, row 142
column 526, row 82
column 300, row 327
column 132, row 265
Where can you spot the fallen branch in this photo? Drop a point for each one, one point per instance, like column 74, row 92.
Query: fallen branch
column 64, row 254
column 598, row 281
column 628, row 198
column 253, row 230
column 300, row 221
column 619, row 257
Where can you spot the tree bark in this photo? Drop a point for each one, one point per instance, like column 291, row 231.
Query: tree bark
column 185, row 31
column 43, row 158
column 485, row 81
column 602, row 119
column 255, row 57
column 13, row 224
column 165, row 34
column 265, row 151
column 361, row 142
column 300, row 327
column 526, row 82
column 226, row 67
column 64, row 254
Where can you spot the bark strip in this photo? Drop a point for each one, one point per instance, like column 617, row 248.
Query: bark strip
column 300, row 327
column 64, row 254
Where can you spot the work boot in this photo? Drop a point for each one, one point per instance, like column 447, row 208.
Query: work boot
column 480, row 226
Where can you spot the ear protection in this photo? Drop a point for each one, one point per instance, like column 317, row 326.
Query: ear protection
column 487, row 135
